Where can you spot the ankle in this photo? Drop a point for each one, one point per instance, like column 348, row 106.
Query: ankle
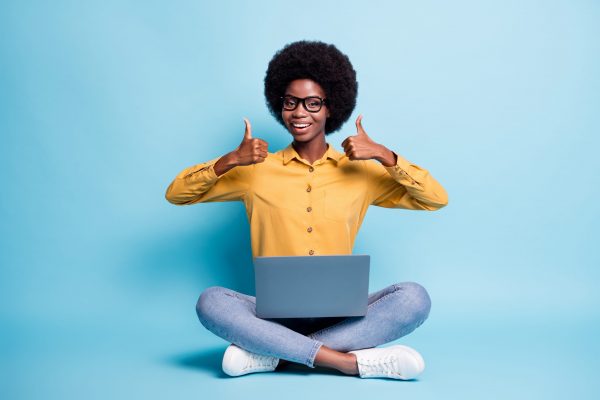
column 350, row 366
column 343, row 362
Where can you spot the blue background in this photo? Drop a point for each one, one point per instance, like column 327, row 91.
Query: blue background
column 103, row 103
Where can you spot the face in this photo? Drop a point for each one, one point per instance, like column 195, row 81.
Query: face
column 316, row 120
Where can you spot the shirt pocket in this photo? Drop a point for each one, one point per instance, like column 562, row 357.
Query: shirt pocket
column 341, row 206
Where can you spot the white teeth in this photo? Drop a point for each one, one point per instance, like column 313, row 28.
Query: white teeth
column 301, row 125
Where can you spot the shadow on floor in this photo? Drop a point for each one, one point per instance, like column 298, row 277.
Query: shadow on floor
column 209, row 360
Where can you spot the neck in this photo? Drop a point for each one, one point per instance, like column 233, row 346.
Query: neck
column 312, row 150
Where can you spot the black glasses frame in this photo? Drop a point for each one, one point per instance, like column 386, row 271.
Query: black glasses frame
column 303, row 101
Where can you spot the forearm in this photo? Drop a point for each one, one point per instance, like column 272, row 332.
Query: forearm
column 190, row 185
column 405, row 185
column 426, row 192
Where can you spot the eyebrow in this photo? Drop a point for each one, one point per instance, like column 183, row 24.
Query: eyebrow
column 311, row 95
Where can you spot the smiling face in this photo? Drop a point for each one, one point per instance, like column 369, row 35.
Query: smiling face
column 300, row 116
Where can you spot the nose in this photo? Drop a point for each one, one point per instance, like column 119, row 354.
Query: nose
column 299, row 112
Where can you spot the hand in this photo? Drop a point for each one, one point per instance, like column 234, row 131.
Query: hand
column 360, row 146
column 251, row 150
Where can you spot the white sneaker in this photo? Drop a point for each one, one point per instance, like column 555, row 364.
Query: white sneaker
column 398, row 362
column 237, row 361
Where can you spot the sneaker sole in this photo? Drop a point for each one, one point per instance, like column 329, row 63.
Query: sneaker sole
column 418, row 358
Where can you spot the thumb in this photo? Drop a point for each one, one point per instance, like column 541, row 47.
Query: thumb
column 359, row 129
column 248, row 132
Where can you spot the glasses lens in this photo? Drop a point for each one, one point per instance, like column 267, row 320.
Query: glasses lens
column 313, row 103
column 289, row 103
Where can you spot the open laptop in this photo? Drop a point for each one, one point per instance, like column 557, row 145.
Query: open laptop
column 311, row 286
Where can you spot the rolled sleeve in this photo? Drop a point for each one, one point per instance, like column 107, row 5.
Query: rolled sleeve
column 404, row 185
column 200, row 183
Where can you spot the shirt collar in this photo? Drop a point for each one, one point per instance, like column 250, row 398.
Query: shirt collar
column 289, row 153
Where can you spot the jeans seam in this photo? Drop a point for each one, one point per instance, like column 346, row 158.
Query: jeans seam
column 324, row 330
column 396, row 288
column 313, row 353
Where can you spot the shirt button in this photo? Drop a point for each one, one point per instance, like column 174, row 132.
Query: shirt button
column 311, row 252
column 309, row 229
column 309, row 209
column 310, row 169
column 308, row 189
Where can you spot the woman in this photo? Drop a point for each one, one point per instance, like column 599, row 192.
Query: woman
column 310, row 199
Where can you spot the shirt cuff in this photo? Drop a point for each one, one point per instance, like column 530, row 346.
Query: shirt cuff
column 400, row 171
column 204, row 170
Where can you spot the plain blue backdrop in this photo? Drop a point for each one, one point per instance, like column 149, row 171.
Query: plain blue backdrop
column 103, row 103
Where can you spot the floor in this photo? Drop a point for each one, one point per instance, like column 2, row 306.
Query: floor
column 478, row 359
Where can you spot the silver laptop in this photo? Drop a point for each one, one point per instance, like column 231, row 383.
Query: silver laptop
column 312, row 286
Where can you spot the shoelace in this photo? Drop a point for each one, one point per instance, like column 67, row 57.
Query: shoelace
column 260, row 361
column 387, row 365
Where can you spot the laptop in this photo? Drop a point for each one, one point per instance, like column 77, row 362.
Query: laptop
column 312, row 286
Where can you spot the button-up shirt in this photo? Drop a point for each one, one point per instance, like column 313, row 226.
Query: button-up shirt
column 298, row 208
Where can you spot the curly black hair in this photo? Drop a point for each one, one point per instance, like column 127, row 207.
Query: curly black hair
column 322, row 63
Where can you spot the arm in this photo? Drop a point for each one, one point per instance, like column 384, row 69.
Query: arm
column 403, row 185
column 223, row 179
column 215, row 180
column 395, row 183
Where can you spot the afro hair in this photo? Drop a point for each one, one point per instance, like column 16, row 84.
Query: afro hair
column 322, row 63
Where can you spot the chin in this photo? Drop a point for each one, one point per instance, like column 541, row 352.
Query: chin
column 303, row 138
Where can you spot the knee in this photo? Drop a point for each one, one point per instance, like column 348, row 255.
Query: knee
column 417, row 296
column 207, row 305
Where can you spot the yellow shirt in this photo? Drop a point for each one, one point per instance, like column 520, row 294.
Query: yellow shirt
column 296, row 208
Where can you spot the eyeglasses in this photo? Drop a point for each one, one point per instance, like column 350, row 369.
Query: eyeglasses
column 311, row 103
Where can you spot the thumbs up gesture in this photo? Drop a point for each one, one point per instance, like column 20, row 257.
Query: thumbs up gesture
column 251, row 150
column 360, row 146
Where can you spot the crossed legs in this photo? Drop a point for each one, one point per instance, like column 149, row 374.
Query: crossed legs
column 393, row 312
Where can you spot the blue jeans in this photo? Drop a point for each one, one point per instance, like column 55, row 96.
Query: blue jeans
column 393, row 312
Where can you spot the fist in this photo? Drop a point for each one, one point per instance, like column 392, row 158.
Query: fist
column 360, row 146
column 251, row 150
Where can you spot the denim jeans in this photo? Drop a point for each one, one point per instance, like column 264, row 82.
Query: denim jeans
column 393, row 312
